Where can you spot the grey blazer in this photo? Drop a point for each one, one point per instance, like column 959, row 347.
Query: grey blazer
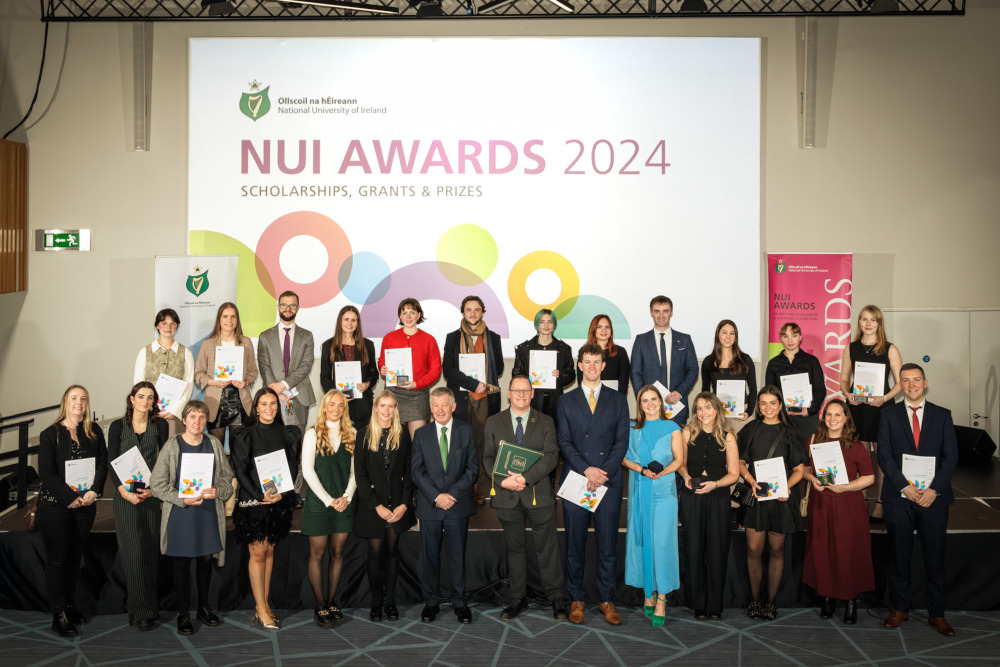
column 540, row 434
column 269, row 348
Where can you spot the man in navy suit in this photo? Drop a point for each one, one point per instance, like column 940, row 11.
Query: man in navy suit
column 445, row 464
column 665, row 355
column 918, row 428
column 592, row 429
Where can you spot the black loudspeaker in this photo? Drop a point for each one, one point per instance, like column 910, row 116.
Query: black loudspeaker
column 975, row 446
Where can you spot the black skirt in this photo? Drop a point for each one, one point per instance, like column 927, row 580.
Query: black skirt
column 258, row 523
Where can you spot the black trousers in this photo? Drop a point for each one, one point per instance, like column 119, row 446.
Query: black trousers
column 137, row 528
column 931, row 524
column 706, row 547
column 64, row 535
column 455, row 532
column 543, row 532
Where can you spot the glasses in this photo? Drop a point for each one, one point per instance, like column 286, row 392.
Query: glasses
column 520, row 391
column 288, row 306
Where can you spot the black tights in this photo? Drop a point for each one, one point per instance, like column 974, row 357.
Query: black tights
column 383, row 566
column 182, row 581
column 776, row 561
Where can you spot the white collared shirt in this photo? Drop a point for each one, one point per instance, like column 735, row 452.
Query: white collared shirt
column 447, row 434
column 139, row 372
column 920, row 412
column 668, row 340
column 596, row 390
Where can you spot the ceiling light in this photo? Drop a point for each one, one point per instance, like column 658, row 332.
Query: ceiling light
column 347, row 6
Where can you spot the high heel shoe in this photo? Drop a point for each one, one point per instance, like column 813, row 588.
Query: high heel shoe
column 648, row 608
column 769, row 611
column 851, row 612
column 753, row 609
column 658, row 620
column 274, row 617
column 829, row 606
column 267, row 626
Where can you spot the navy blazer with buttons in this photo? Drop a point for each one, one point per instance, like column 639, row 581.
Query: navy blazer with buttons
column 432, row 479
column 937, row 439
column 598, row 439
column 683, row 364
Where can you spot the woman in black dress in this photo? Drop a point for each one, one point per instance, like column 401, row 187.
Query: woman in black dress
column 728, row 362
column 262, row 519
column 616, row 366
column 770, row 435
column 546, row 400
column 870, row 346
column 795, row 361
column 137, row 518
column 66, row 512
column 385, row 499
column 349, row 344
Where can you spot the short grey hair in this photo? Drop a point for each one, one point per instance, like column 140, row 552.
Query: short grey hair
column 443, row 391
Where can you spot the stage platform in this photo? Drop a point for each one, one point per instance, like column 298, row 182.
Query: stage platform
column 972, row 563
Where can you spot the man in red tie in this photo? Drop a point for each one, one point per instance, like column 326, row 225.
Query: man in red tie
column 917, row 436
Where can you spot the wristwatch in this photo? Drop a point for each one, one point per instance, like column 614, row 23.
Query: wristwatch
column 642, row 471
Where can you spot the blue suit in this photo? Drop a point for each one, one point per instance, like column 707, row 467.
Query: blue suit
column 937, row 439
column 432, row 478
column 599, row 440
column 683, row 366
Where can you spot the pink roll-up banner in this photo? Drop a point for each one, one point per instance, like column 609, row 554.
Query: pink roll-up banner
column 814, row 291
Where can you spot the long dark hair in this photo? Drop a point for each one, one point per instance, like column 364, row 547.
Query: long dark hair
column 738, row 366
column 130, row 411
column 254, row 418
column 850, row 433
column 336, row 345
column 773, row 391
column 592, row 333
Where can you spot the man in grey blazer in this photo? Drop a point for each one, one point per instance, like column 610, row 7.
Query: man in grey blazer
column 527, row 495
column 285, row 358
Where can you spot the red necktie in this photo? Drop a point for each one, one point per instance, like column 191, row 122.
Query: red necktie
column 916, row 428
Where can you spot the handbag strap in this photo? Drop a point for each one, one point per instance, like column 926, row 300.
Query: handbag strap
column 770, row 452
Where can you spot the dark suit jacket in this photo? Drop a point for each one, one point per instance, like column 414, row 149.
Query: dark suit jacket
column 378, row 486
column 54, row 449
column 683, row 363
column 937, row 439
column 539, row 434
column 460, row 383
column 599, row 439
column 432, row 480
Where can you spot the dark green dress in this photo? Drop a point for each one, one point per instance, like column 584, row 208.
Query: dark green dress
column 334, row 473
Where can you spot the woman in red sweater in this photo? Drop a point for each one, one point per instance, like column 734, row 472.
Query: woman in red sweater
column 413, row 392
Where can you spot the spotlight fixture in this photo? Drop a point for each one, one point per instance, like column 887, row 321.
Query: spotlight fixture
column 495, row 5
column 427, row 8
column 219, row 7
column 884, row 6
column 562, row 4
column 344, row 5
column 694, row 6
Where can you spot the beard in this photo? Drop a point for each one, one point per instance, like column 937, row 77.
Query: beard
column 286, row 318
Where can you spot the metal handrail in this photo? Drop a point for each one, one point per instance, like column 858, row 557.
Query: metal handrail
column 28, row 413
column 22, row 449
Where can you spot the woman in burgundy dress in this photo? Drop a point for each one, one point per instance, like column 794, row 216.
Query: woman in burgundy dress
column 838, row 560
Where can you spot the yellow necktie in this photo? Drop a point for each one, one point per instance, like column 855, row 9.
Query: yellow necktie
column 593, row 402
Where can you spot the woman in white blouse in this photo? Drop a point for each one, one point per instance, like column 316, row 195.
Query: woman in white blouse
column 165, row 355
column 328, row 513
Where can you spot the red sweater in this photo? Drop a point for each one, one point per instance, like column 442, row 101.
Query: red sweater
column 424, row 350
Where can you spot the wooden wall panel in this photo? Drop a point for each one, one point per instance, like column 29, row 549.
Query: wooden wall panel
column 13, row 216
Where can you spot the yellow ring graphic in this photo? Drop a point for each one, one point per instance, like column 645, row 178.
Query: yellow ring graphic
column 541, row 259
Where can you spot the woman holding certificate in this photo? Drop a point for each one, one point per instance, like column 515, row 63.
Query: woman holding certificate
column 266, row 461
column 772, row 448
column 385, row 500
column 865, row 370
column 730, row 374
column 415, row 361
column 711, row 466
column 655, row 451
column 225, row 372
column 838, row 560
column 616, row 366
column 73, row 466
column 328, row 514
column 134, row 442
column 799, row 376
column 351, row 356
column 191, row 477
column 165, row 356
column 547, row 362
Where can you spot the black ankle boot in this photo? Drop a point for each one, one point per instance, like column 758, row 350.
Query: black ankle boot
column 74, row 615
column 62, row 627
column 851, row 612
column 829, row 605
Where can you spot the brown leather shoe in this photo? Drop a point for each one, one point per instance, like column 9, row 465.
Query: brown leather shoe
column 576, row 612
column 611, row 615
column 477, row 496
column 895, row 618
column 941, row 625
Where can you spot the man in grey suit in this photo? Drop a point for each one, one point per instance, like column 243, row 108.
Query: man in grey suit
column 528, row 495
column 285, row 354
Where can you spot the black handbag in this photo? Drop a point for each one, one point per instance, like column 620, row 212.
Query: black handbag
column 742, row 493
column 31, row 518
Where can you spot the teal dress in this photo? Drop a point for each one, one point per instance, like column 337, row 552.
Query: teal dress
column 334, row 473
column 651, row 557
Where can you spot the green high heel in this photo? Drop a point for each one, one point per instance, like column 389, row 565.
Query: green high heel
column 649, row 608
column 658, row 621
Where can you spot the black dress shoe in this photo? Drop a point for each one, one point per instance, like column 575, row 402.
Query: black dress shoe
column 184, row 625
column 322, row 618
column 375, row 614
column 514, row 609
column 335, row 614
column 62, row 627
column 829, row 604
column 464, row 615
column 391, row 613
column 146, row 624
column 851, row 612
column 429, row 613
column 559, row 610
column 715, row 615
column 74, row 615
column 208, row 617
column 700, row 614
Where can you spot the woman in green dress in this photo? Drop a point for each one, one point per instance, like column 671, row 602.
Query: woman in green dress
column 328, row 513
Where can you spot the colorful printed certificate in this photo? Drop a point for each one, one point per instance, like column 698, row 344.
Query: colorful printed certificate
column 574, row 490
column 348, row 374
column 273, row 467
column 797, row 391
column 869, row 379
column 131, row 467
column 829, row 461
column 196, row 474
column 732, row 394
column 671, row 409
column 228, row 363
column 473, row 365
column 918, row 471
column 541, row 363
column 80, row 474
column 399, row 365
column 171, row 391
column 772, row 473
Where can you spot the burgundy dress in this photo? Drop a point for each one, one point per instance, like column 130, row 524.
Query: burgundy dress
column 838, row 560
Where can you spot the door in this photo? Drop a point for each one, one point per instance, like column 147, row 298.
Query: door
column 984, row 387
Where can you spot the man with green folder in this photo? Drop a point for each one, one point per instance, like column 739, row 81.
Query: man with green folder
column 520, row 450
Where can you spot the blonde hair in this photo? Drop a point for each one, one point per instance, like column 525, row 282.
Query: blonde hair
column 347, row 432
column 719, row 429
column 375, row 428
column 880, row 342
column 88, row 426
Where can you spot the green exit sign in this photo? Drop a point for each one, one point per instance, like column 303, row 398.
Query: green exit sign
column 62, row 239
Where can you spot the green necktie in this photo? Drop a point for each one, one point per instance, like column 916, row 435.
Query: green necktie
column 443, row 444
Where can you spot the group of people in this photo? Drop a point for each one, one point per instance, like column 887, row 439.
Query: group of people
column 375, row 464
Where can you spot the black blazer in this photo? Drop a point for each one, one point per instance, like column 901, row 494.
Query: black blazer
column 546, row 400
column 460, row 383
column 246, row 443
column 115, row 444
column 937, row 439
column 539, row 434
column 432, row 479
column 54, row 445
column 376, row 486
column 359, row 409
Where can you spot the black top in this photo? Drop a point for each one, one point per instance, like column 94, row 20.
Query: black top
column 55, row 447
column 251, row 441
column 546, row 400
column 121, row 438
column 802, row 362
column 710, row 376
column 359, row 409
column 866, row 416
column 756, row 439
column 383, row 478
column 615, row 368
